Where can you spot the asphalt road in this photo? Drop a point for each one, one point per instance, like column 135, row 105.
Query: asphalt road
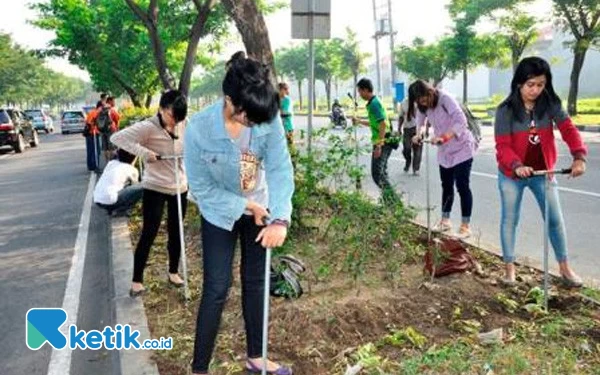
column 580, row 199
column 42, row 193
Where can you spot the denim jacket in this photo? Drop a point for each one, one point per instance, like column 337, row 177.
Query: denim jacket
column 212, row 161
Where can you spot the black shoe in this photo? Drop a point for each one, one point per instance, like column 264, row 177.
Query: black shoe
column 406, row 168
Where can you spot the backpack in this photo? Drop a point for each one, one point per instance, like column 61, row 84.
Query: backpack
column 473, row 122
column 285, row 278
column 103, row 121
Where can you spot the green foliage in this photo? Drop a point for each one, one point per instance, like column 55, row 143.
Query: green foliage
column 401, row 337
column 25, row 79
column 424, row 61
column 209, row 85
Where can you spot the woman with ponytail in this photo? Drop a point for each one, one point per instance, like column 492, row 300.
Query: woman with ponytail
column 240, row 171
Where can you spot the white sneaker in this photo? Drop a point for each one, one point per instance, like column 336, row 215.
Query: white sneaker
column 442, row 227
column 464, row 232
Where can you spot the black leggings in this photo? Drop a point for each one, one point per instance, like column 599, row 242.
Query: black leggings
column 218, row 247
column 460, row 175
column 153, row 203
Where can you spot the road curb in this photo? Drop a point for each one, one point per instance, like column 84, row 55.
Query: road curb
column 128, row 310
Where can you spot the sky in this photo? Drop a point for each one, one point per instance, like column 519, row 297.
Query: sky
column 427, row 19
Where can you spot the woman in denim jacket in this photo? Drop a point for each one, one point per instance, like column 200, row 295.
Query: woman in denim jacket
column 240, row 172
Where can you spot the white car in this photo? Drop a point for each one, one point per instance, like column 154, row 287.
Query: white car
column 72, row 122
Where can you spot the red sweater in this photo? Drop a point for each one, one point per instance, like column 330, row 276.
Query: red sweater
column 512, row 138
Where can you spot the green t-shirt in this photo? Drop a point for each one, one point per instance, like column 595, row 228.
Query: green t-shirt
column 376, row 115
column 287, row 113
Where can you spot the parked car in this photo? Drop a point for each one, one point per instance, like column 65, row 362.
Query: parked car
column 41, row 120
column 16, row 130
column 72, row 121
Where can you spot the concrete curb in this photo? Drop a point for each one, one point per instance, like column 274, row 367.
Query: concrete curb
column 128, row 310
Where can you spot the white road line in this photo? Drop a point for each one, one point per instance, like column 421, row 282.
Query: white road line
column 60, row 361
column 569, row 190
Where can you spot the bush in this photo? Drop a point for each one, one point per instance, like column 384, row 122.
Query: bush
column 130, row 115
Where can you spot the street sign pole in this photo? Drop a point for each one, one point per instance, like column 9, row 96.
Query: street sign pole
column 311, row 72
column 311, row 19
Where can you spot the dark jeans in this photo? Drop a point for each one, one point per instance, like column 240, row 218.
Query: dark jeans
column 92, row 160
column 460, row 175
column 379, row 172
column 218, row 247
column 412, row 152
column 127, row 198
column 153, row 203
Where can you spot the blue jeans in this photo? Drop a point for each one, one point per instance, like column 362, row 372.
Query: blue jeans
column 93, row 161
column 511, row 195
column 218, row 249
column 127, row 198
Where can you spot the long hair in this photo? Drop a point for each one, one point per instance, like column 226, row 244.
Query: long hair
column 416, row 90
column 528, row 68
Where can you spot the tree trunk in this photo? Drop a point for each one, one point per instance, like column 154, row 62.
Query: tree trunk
column 198, row 30
column 135, row 97
column 465, row 83
column 579, row 58
column 328, row 91
column 315, row 97
column 150, row 20
column 251, row 24
column 300, row 92
column 148, row 100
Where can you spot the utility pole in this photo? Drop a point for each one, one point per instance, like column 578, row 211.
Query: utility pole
column 311, row 73
column 392, row 55
column 377, row 36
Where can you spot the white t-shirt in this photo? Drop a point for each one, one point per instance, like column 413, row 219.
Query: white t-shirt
column 404, row 113
column 114, row 178
column 260, row 194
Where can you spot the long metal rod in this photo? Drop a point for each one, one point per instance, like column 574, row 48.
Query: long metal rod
column 183, row 258
column 266, row 298
column 546, row 236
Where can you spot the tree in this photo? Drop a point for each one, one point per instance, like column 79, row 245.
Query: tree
column 328, row 63
column 582, row 19
column 354, row 60
column 24, row 79
column 249, row 20
column 518, row 31
column 425, row 61
column 467, row 50
column 183, row 23
column 291, row 62
column 210, row 84
column 105, row 41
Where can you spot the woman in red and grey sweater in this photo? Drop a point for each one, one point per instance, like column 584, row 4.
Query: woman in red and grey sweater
column 524, row 143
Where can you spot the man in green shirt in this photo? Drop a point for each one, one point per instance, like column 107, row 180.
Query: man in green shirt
column 380, row 125
column 287, row 111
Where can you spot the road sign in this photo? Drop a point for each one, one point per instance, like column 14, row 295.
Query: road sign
column 305, row 11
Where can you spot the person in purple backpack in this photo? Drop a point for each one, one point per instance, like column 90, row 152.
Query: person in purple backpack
column 456, row 148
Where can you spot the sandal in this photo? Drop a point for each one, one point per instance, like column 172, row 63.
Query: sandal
column 281, row 370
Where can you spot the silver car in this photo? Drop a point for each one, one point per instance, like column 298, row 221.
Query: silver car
column 41, row 120
column 72, row 122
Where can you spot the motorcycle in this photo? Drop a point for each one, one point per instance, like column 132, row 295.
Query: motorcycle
column 338, row 118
